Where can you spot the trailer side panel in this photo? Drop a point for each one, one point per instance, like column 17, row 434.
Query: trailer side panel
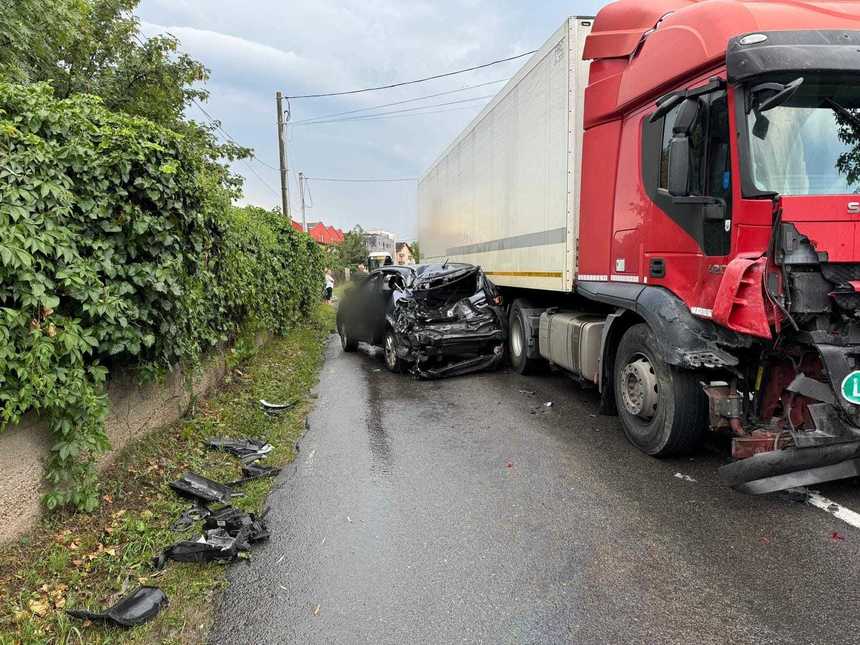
column 503, row 195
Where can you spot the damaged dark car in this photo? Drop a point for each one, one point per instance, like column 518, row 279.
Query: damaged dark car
column 433, row 320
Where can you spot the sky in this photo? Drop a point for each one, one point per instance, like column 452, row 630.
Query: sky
column 257, row 47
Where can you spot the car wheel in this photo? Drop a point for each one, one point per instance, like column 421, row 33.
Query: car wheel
column 347, row 342
column 518, row 342
column 663, row 410
column 389, row 345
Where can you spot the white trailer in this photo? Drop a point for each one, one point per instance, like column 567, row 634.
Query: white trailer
column 505, row 194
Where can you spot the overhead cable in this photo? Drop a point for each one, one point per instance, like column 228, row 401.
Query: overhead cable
column 418, row 80
column 367, row 117
column 360, row 181
column 385, row 105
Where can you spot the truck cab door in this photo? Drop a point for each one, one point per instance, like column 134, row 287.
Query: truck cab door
column 694, row 186
column 686, row 167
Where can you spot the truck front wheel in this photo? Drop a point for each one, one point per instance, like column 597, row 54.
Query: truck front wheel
column 663, row 409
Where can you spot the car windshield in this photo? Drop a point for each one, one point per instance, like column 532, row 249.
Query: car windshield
column 809, row 145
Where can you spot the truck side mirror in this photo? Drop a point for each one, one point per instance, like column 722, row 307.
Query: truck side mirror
column 679, row 166
column 680, row 170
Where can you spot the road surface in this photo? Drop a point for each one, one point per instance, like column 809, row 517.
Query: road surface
column 467, row 511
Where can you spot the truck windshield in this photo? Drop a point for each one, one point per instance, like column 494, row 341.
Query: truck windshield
column 810, row 145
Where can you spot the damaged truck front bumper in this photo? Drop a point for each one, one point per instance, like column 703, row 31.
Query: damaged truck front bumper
column 824, row 447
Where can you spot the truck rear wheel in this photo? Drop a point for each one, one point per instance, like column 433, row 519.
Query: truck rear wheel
column 518, row 342
column 663, row 409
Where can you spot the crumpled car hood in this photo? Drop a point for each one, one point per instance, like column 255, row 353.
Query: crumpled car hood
column 448, row 323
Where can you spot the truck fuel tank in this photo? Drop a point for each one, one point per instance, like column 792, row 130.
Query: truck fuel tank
column 572, row 340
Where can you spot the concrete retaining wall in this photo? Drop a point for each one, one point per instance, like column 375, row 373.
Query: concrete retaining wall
column 134, row 410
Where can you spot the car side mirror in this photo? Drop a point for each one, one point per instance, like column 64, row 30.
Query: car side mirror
column 679, row 166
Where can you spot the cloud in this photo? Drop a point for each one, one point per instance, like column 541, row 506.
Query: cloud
column 258, row 47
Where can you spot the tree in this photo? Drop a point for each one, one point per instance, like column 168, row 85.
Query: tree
column 416, row 252
column 353, row 250
column 95, row 47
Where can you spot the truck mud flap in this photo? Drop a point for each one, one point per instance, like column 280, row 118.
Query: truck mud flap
column 782, row 469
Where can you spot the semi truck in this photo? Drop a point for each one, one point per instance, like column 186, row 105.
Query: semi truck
column 666, row 197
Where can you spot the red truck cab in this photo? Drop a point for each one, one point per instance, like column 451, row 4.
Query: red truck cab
column 720, row 222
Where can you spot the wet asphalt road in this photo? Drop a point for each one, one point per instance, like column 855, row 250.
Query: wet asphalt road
column 464, row 511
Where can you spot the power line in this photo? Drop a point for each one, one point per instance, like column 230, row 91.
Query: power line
column 385, row 105
column 419, row 80
column 217, row 123
column 396, row 116
column 262, row 181
column 226, row 134
column 381, row 114
column 360, row 181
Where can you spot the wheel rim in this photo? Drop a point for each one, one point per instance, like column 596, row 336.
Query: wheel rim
column 390, row 351
column 517, row 338
column 640, row 390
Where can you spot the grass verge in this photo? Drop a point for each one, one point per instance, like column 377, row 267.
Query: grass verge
column 76, row 560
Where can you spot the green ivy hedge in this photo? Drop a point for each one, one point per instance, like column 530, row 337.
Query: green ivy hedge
column 119, row 247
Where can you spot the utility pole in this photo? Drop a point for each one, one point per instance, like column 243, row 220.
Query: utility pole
column 282, row 152
column 302, row 192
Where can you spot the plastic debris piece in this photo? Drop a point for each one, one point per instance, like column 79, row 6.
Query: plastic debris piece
column 251, row 472
column 276, row 409
column 248, row 450
column 134, row 609
column 837, row 537
column 528, row 392
column 213, row 546
column 548, row 404
column 187, row 518
column 196, row 486
column 247, row 528
column 684, row 477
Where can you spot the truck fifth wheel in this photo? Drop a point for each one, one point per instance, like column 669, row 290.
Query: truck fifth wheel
column 666, row 196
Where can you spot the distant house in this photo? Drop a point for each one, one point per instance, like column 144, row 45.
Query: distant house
column 380, row 242
column 404, row 254
column 322, row 234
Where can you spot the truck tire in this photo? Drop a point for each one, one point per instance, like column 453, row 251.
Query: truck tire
column 518, row 342
column 393, row 362
column 663, row 410
column 347, row 342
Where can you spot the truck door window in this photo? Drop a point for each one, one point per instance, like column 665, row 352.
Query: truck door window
column 668, row 125
column 719, row 169
column 710, row 173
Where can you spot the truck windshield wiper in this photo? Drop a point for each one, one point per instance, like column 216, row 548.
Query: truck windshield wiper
column 844, row 112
